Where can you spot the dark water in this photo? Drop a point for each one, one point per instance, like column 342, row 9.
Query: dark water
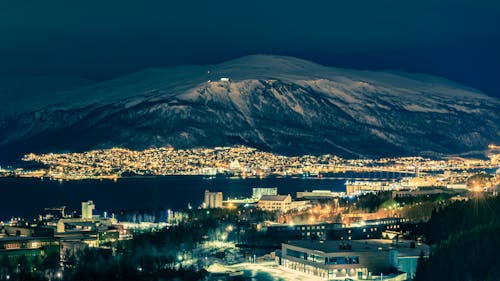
column 28, row 197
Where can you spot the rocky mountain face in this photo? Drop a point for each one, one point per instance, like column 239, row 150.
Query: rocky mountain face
column 279, row 104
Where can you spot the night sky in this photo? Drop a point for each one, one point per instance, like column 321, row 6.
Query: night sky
column 458, row 39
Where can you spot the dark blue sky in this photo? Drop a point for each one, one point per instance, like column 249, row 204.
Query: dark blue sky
column 456, row 39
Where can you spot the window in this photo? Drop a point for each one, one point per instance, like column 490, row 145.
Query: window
column 342, row 260
column 316, row 258
column 296, row 254
column 333, row 260
column 353, row 260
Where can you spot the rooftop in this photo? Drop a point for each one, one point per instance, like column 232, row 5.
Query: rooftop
column 331, row 246
column 22, row 238
column 274, row 197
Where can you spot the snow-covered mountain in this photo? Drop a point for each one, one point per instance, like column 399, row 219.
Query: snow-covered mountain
column 282, row 104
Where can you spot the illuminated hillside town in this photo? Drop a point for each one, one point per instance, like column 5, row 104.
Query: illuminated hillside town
column 247, row 141
column 378, row 228
column 240, row 161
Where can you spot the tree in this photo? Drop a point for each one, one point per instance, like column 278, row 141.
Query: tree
column 51, row 261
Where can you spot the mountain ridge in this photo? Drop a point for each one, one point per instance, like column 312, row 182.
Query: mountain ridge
column 282, row 104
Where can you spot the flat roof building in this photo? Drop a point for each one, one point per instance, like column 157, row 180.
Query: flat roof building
column 357, row 260
column 257, row 192
column 319, row 194
column 280, row 203
column 212, row 200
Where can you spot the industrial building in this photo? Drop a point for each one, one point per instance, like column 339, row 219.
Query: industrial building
column 87, row 209
column 212, row 200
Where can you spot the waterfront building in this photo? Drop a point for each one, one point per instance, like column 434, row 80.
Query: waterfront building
column 257, row 192
column 353, row 187
column 208, row 171
column 280, row 203
column 242, row 202
column 416, row 182
column 54, row 212
column 87, row 209
column 212, row 200
column 319, row 194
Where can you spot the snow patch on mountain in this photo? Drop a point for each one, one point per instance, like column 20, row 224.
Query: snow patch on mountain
column 277, row 103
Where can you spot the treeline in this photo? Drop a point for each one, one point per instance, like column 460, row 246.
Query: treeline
column 370, row 202
column 462, row 216
column 28, row 267
column 95, row 265
column 148, row 256
column 466, row 240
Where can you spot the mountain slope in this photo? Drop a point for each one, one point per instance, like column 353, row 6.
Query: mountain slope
column 282, row 104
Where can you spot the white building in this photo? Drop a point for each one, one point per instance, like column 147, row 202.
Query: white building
column 319, row 194
column 352, row 260
column 87, row 209
column 257, row 192
column 280, row 203
column 212, row 200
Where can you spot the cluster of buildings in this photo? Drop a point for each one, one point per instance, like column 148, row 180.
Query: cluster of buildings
column 118, row 162
column 57, row 231
column 263, row 198
column 354, row 247
column 233, row 161
column 447, row 182
column 367, row 249
column 362, row 249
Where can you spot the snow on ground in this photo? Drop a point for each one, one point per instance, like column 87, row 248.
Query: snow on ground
column 351, row 86
column 419, row 108
column 274, row 271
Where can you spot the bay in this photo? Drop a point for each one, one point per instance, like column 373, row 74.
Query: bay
column 27, row 197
